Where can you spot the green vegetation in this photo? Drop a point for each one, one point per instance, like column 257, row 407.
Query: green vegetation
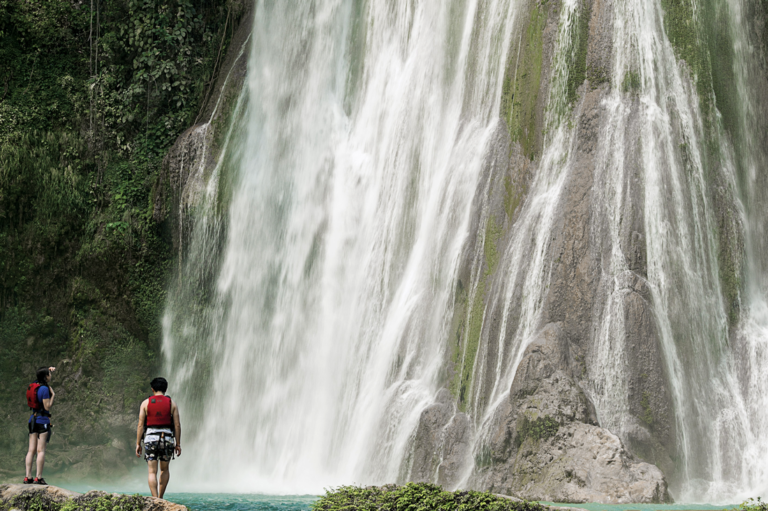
column 578, row 70
column 92, row 95
column 536, row 429
column 35, row 501
column 416, row 497
column 645, row 403
column 753, row 505
column 512, row 197
column 522, row 80
column 465, row 353
column 631, row 82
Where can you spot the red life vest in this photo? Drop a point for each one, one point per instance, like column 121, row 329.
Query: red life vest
column 159, row 412
column 32, row 401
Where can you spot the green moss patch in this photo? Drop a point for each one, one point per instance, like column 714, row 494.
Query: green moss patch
column 522, row 80
column 536, row 429
column 578, row 70
column 469, row 328
column 631, row 83
column 416, row 497
column 647, row 416
column 96, row 501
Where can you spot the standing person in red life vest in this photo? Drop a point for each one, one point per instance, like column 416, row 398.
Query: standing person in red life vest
column 160, row 427
column 39, row 399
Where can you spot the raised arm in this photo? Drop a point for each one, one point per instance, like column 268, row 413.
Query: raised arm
column 176, row 426
column 47, row 403
column 140, row 427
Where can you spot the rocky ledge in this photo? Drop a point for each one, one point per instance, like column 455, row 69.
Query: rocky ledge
column 20, row 497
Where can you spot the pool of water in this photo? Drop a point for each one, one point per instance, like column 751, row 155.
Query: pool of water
column 260, row 502
column 253, row 502
column 242, row 502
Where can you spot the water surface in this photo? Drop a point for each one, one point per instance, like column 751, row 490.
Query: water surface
column 242, row 502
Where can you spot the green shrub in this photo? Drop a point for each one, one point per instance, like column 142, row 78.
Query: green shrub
column 753, row 505
column 416, row 497
column 34, row 501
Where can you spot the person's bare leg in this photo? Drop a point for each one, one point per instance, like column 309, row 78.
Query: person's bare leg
column 165, row 475
column 152, row 477
column 41, row 453
column 31, row 453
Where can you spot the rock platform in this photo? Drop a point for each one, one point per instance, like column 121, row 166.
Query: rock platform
column 55, row 495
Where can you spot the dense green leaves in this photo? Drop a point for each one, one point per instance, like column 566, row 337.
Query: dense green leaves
column 92, row 95
column 753, row 505
column 416, row 497
column 154, row 61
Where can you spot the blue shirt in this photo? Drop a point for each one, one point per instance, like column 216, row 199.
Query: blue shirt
column 42, row 393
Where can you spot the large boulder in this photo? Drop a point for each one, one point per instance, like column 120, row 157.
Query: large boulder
column 545, row 442
column 442, row 443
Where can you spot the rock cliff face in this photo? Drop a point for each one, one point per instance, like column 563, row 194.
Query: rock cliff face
column 595, row 341
column 558, row 375
column 544, row 441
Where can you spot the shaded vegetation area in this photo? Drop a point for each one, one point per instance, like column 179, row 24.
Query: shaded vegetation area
column 416, row 497
column 92, row 501
column 92, row 95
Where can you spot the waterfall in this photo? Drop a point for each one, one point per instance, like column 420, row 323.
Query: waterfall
column 313, row 317
column 323, row 338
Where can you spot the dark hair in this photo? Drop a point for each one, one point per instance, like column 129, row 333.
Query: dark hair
column 42, row 373
column 159, row 384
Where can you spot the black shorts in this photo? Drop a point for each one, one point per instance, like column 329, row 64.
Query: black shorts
column 38, row 428
column 159, row 447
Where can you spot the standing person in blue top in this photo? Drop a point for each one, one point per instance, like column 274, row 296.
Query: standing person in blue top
column 40, row 397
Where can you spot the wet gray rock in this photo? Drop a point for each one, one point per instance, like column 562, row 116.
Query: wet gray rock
column 546, row 444
column 443, row 443
column 585, row 463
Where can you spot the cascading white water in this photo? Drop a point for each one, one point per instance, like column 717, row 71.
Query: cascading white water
column 346, row 222
column 313, row 326
column 721, row 421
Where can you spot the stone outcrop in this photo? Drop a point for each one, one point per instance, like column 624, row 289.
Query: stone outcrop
column 17, row 496
column 547, row 444
column 443, row 440
column 544, row 441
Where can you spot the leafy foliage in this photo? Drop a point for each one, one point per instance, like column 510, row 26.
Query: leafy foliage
column 753, row 505
column 92, row 95
column 35, row 501
column 416, row 497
